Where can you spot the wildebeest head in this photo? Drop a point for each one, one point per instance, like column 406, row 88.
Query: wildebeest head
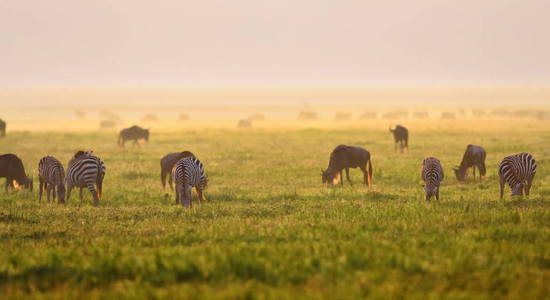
column 460, row 175
column 328, row 176
column 517, row 190
column 430, row 191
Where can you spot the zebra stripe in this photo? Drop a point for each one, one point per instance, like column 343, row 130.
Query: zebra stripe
column 186, row 174
column 432, row 174
column 518, row 171
column 51, row 174
column 85, row 170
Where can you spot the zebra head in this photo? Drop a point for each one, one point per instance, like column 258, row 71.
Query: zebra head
column 61, row 193
column 517, row 190
column 430, row 191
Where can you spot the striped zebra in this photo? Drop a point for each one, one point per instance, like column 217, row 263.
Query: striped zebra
column 432, row 174
column 85, row 170
column 186, row 174
column 518, row 171
column 51, row 176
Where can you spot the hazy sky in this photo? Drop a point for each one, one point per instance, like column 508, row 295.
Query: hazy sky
column 180, row 42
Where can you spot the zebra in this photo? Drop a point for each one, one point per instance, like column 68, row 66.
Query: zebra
column 518, row 171
column 432, row 174
column 51, row 176
column 85, row 170
column 186, row 174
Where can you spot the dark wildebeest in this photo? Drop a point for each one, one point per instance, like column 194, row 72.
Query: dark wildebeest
column 168, row 162
column 345, row 157
column 133, row 133
column 473, row 157
column 2, row 127
column 401, row 137
column 12, row 168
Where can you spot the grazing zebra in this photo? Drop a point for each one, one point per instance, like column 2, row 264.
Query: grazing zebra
column 518, row 171
column 51, row 176
column 85, row 170
column 345, row 157
column 186, row 174
column 432, row 174
column 401, row 137
column 473, row 157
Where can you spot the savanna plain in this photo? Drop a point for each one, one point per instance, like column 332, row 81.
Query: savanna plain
column 270, row 229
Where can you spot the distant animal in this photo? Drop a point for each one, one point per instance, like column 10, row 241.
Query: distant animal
column 86, row 170
column 51, row 176
column 478, row 113
column 107, row 124
column 518, row 171
column 168, row 162
column 134, row 133
column 398, row 114
column 342, row 117
column 80, row 114
column 474, row 156
column 345, row 157
column 150, row 118
column 421, row 114
column 432, row 175
column 401, row 137
column 2, row 128
column 244, row 123
column 183, row 117
column 11, row 167
column 186, row 174
column 367, row 115
column 307, row 116
column 448, row 116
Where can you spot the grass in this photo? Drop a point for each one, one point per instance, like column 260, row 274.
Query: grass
column 271, row 230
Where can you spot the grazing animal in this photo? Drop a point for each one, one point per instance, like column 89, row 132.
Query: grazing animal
column 244, row 123
column 85, row 170
column 12, row 168
column 51, row 176
column 473, row 157
column 518, row 171
column 432, row 174
column 401, row 137
column 342, row 117
column 448, row 116
column 107, row 124
column 345, row 157
column 134, row 133
column 167, row 164
column 186, row 174
column 2, row 128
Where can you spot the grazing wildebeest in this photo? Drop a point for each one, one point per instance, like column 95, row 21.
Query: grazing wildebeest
column 474, row 156
column 51, row 176
column 345, row 157
column 168, row 162
column 244, row 123
column 518, row 171
column 133, row 133
column 12, row 168
column 432, row 174
column 2, row 128
column 186, row 174
column 401, row 137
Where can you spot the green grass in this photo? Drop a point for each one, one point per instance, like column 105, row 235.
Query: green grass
column 271, row 230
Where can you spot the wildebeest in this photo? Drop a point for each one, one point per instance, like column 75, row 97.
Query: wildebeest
column 448, row 115
column 307, row 115
column 474, row 156
column 345, row 157
column 11, row 167
column 342, row 117
column 432, row 175
column 2, row 128
column 134, row 133
column 168, row 162
column 244, row 123
column 401, row 137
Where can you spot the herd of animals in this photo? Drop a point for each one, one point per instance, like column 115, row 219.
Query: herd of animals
column 85, row 170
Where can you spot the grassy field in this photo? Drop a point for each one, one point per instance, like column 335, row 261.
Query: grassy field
column 271, row 230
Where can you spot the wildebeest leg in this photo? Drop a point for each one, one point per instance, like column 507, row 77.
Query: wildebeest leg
column 177, row 196
column 170, row 180
column 501, row 186
column 199, row 193
column 48, row 191
column 342, row 177
column 474, row 171
column 347, row 176
column 365, row 174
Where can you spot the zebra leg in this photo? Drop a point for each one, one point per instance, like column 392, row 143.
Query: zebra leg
column 347, row 176
column 93, row 192
column 40, row 187
column 528, row 186
column 437, row 194
column 501, row 186
column 199, row 193
column 69, row 189
column 48, row 191
column 99, row 187
column 54, row 194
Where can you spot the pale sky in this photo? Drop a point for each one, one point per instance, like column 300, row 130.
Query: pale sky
column 226, row 42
